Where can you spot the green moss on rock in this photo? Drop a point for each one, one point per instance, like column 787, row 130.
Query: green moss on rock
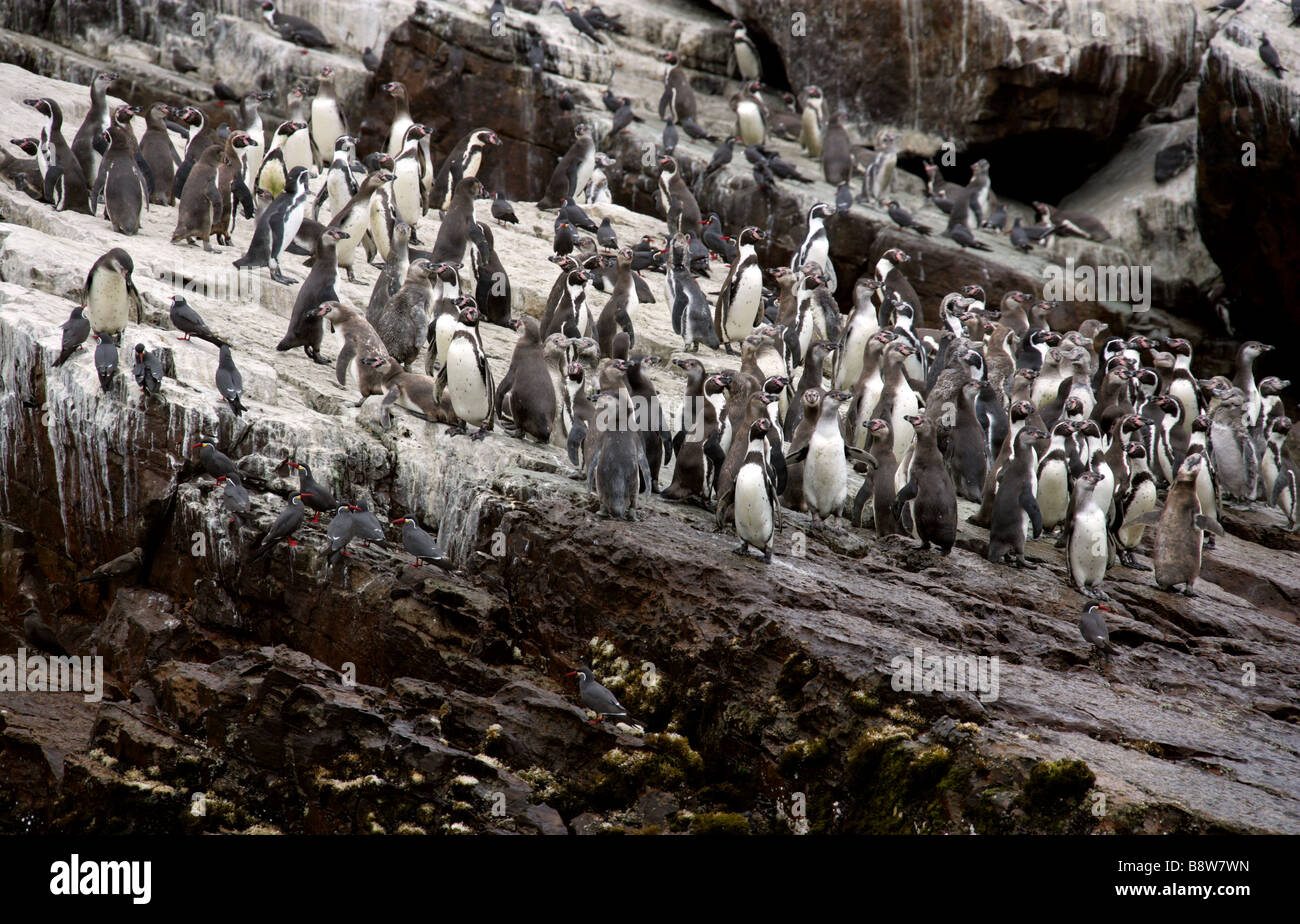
column 722, row 823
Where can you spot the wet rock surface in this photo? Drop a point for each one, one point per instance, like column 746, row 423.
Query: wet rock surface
column 285, row 696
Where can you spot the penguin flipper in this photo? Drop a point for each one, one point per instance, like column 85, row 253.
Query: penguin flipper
column 244, row 197
column 145, row 171
column 1150, row 517
column 342, row 363
column 1029, row 504
column 577, row 436
column 797, row 455
column 1208, row 523
column 779, row 468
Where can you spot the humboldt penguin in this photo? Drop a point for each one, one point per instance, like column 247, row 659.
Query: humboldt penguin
column 402, row 321
column 879, row 177
column 1015, row 506
column 679, row 203
column 573, row 171
column 125, row 187
column 526, row 398
column 1087, row 538
column 1068, row 223
column 935, row 506
column 160, row 154
column 617, row 468
column 1136, row 500
column 408, row 390
column 285, row 525
column 64, row 170
column 453, row 233
column 812, row 120
column 825, row 474
column 200, row 201
column 408, row 185
column 837, row 155
column 306, row 324
column 491, row 282
column 353, row 219
column 231, row 190
column 744, row 53
column 678, row 99
column 739, row 309
column 1281, row 473
column 466, row 376
column 883, row 478
column 816, row 245
column 340, row 181
column 1180, row 526
column 756, row 507
column 444, row 314
column 294, row 29
column 97, row 122
column 357, row 340
column 230, row 384
column 201, row 137
column 274, row 169
column 327, row 119
column 464, row 161
column 750, row 115
column 393, row 275
column 110, row 296
column 148, row 369
column 277, row 225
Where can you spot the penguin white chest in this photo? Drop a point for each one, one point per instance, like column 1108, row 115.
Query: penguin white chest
column 1053, row 492
column 750, row 121
column 745, row 305
column 109, row 306
column 755, row 523
column 325, row 125
column 293, row 221
column 469, row 395
column 406, row 190
column 825, row 482
column 297, row 150
column 397, row 133
column 1088, row 550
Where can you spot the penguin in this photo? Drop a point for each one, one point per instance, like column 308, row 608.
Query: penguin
column 328, row 122
column 407, row 189
column 230, row 188
column 273, row 170
column 573, row 171
column 492, row 283
column 97, row 122
column 110, row 295
column 744, row 52
column 148, row 369
column 526, row 398
column 444, row 314
column 617, row 468
column 105, row 361
column 401, row 117
column 410, row 391
column 1015, row 505
column 294, row 29
column 125, row 187
column 251, row 124
column 825, row 487
column 285, row 525
column 1053, row 478
column 453, row 233
column 299, row 148
column 680, row 205
column 756, row 508
column 1282, row 481
column 340, row 182
column 893, row 280
column 1243, row 377
column 393, row 275
column 1137, row 499
column 816, row 245
column 1087, row 538
column 615, row 315
column 306, row 324
column 880, row 175
column 1068, row 223
column 1232, row 447
column 883, row 479
column 76, row 330
column 357, row 339
column 466, row 376
column 465, row 160
column 968, row 451
column 928, row 482
column 200, row 201
column 837, row 156
column 201, row 137
column 1180, row 526
column 812, row 118
column 277, row 225
column 401, row 322
column 749, row 116
column 678, row 99
column 354, row 220
column 63, row 170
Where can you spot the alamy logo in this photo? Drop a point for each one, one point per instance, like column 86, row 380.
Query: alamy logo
column 949, row 673
column 103, row 877
column 39, row 674
column 1072, row 283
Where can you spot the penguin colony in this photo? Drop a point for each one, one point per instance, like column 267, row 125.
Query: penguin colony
column 1092, row 439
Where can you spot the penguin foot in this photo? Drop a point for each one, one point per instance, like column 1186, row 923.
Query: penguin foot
column 742, row 549
column 287, row 280
column 478, row 435
column 1128, row 560
column 321, row 360
column 1209, row 541
column 1188, row 592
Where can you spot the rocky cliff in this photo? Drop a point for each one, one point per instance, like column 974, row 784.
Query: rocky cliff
column 283, row 695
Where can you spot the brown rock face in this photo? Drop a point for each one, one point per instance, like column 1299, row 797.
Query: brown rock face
column 1249, row 131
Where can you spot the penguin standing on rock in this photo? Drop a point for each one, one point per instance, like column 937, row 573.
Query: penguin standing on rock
column 745, row 53
column 294, row 28
column 1087, row 539
column 200, row 202
column 816, row 247
column 110, row 295
column 1180, row 531
column 929, row 483
column 1015, row 506
column 466, row 377
column 306, row 324
column 277, row 226
column 756, row 505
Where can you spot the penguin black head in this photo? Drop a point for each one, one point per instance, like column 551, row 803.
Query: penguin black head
column 669, row 57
